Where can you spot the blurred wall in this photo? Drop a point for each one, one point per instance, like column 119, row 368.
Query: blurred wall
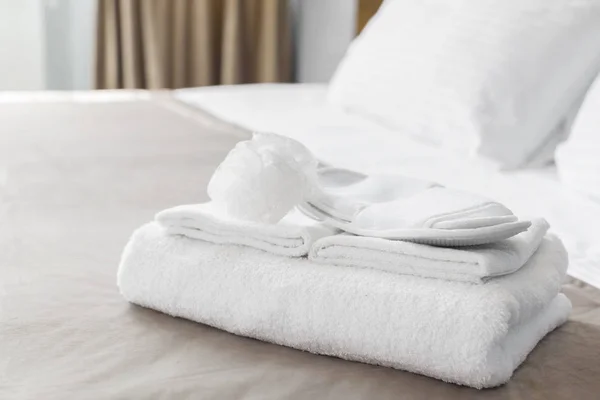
column 46, row 44
column 21, row 45
column 323, row 31
column 69, row 35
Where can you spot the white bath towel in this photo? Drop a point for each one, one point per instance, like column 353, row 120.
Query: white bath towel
column 474, row 264
column 473, row 335
column 293, row 236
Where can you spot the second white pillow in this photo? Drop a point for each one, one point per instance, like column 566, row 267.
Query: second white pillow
column 487, row 77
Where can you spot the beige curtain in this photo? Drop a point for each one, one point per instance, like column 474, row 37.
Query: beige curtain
column 183, row 43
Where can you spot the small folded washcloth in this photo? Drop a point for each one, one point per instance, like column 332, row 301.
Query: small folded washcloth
column 474, row 264
column 293, row 236
column 398, row 207
column 473, row 335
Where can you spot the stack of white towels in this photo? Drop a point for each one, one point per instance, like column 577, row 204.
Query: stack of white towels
column 368, row 275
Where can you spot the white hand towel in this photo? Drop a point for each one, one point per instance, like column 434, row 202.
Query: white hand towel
column 473, row 335
column 293, row 236
column 474, row 264
column 397, row 207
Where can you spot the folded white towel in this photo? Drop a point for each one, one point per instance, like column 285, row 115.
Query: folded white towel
column 398, row 207
column 474, row 264
column 474, row 335
column 293, row 236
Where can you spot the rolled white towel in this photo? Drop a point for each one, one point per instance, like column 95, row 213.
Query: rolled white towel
column 473, row 335
column 475, row 264
column 293, row 236
column 262, row 179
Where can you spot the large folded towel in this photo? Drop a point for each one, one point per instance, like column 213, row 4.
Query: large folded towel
column 474, row 264
column 293, row 236
column 474, row 335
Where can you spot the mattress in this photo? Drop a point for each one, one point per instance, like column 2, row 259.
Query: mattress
column 302, row 112
column 79, row 172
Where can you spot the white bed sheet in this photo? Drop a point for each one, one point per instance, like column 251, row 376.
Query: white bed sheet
column 301, row 111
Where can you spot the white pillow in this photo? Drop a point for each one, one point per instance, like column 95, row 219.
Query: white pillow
column 488, row 77
column 578, row 159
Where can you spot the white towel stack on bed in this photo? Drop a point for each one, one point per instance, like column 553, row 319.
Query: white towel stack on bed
column 467, row 315
column 471, row 334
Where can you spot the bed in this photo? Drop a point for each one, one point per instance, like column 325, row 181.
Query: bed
column 80, row 171
column 302, row 112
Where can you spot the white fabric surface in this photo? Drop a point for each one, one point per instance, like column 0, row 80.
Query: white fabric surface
column 301, row 111
column 395, row 201
column 578, row 159
column 293, row 236
column 497, row 230
column 474, row 335
column 475, row 264
column 263, row 178
column 488, row 77
column 393, row 206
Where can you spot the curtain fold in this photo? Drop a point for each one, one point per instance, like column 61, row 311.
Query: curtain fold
column 158, row 44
